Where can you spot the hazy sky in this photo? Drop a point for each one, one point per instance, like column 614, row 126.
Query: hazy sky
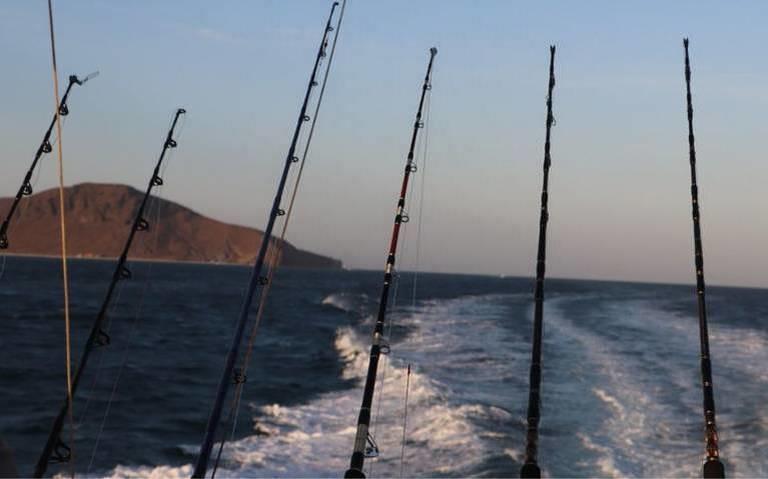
column 619, row 202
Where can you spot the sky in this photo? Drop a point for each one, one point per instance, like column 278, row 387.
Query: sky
column 619, row 184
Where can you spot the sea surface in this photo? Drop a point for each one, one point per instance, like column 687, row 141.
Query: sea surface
column 621, row 383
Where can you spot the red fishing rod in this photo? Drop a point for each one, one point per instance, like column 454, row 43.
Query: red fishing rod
column 363, row 440
column 713, row 467
column 45, row 147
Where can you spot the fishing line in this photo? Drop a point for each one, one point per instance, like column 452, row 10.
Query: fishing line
column 382, row 379
column 274, row 247
column 157, row 205
column 111, row 312
column 39, row 169
column 115, row 304
column 405, row 419
column 102, row 351
column 428, row 114
column 63, row 235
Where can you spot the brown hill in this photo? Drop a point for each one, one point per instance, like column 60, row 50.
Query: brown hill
column 99, row 218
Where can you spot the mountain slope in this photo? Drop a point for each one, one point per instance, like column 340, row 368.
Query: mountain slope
column 99, row 218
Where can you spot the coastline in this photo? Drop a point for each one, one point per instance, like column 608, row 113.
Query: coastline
column 148, row 260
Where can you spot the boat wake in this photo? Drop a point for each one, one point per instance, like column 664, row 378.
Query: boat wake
column 621, row 395
column 315, row 439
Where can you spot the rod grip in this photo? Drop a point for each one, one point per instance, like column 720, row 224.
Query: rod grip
column 713, row 468
column 530, row 470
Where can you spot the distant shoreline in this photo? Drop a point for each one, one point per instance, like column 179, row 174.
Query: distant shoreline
column 343, row 268
column 113, row 258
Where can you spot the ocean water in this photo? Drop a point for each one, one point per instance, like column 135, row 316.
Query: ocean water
column 621, row 387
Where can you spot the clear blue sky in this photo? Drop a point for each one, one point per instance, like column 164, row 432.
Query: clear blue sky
column 620, row 205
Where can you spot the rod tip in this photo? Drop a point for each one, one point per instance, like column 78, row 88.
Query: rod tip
column 713, row 468
column 530, row 469
column 181, row 111
column 433, row 51
column 685, row 42
column 552, row 49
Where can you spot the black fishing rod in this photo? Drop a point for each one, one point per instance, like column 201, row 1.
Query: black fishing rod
column 363, row 440
column 229, row 374
column 45, row 147
column 56, row 451
column 713, row 467
column 530, row 467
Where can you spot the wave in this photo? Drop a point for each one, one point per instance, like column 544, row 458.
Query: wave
column 648, row 392
column 346, row 302
column 621, row 395
column 315, row 439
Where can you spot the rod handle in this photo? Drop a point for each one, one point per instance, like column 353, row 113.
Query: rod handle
column 713, row 468
column 530, row 469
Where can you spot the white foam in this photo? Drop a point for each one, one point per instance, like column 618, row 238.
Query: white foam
column 652, row 392
column 605, row 463
column 644, row 398
column 144, row 472
column 346, row 302
column 315, row 439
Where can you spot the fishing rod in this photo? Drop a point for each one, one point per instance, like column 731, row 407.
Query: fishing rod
column 364, row 443
column 530, row 467
column 230, row 374
column 55, row 450
column 276, row 258
column 45, row 147
column 713, row 467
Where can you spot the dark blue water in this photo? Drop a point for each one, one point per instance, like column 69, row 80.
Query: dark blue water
column 621, row 392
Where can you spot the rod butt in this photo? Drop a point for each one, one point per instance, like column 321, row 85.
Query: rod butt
column 713, row 468
column 354, row 473
column 531, row 470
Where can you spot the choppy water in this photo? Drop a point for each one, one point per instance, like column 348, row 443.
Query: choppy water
column 621, row 390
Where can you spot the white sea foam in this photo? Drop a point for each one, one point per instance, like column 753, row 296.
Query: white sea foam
column 605, row 463
column 144, row 472
column 651, row 392
column 641, row 394
column 350, row 303
column 315, row 439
